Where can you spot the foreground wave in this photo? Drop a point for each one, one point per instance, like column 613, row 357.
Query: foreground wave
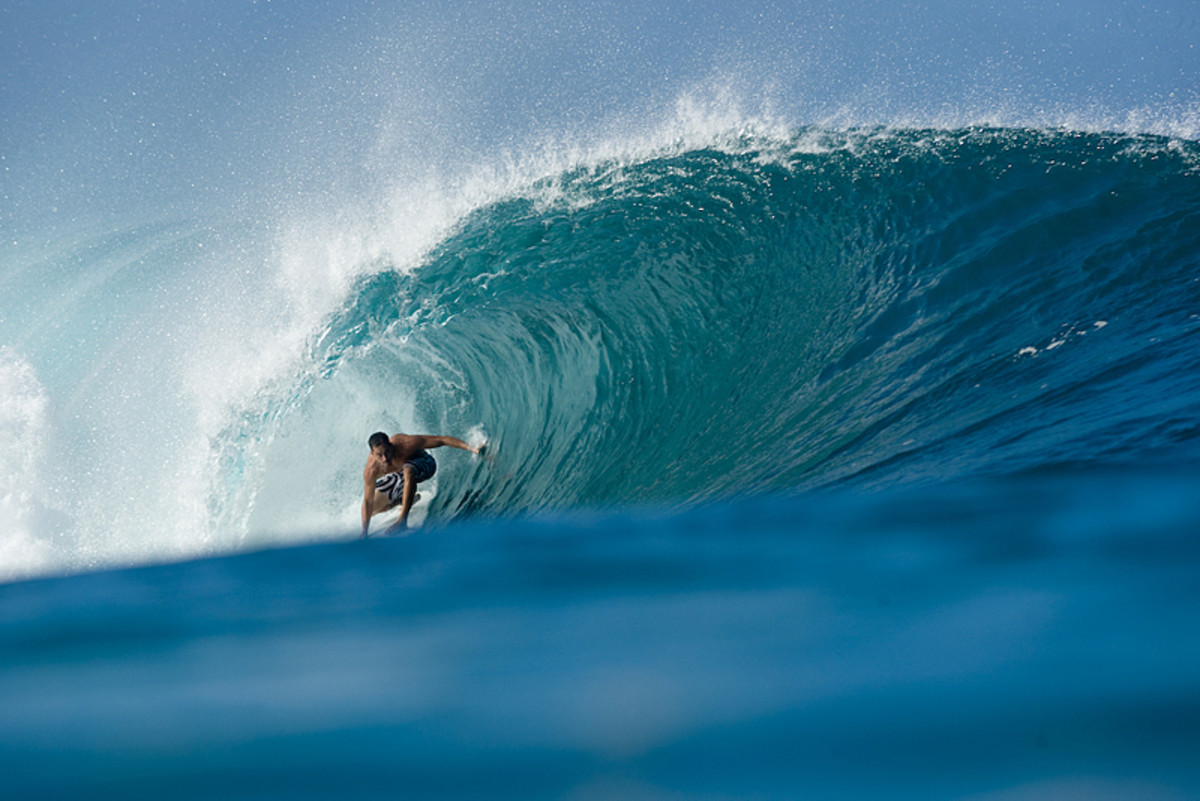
column 1020, row 639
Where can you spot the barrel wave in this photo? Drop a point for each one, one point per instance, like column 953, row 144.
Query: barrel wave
column 838, row 366
column 765, row 315
column 830, row 463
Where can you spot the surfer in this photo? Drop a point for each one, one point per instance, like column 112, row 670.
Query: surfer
column 396, row 465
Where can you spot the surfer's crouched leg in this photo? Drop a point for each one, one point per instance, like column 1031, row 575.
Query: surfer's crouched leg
column 423, row 467
column 391, row 486
column 381, row 502
column 388, row 491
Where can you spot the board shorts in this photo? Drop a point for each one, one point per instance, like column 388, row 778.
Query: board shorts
column 392, row 484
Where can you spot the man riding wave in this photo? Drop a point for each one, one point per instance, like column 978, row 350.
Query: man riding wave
column 396, row 465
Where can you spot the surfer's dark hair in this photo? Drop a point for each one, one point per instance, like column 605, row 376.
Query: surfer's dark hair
column 380, row 438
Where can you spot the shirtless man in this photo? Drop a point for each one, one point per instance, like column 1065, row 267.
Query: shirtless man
column 394, row 468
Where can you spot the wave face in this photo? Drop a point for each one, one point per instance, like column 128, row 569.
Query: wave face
column 751, row 314
column 764, row 316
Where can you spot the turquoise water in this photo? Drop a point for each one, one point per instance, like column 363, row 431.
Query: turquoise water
column 759, row 315
column 826, row 463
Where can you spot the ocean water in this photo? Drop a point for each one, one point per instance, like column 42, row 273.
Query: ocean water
column 825, row 461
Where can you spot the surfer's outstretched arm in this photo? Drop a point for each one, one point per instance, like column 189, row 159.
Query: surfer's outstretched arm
column 452, row 442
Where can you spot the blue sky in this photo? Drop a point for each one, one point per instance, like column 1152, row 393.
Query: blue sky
column 217, row 101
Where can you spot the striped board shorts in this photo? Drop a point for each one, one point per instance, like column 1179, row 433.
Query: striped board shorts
column 392, row 484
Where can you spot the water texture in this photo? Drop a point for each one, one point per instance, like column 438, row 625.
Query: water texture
column 826, row 458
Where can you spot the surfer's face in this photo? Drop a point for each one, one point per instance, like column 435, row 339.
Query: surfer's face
column 379, row 454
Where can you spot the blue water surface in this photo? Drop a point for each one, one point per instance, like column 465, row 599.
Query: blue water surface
column 1032, row 638
column 838, row 368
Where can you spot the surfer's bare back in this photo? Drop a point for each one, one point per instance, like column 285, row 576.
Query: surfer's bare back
column 396, row 466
